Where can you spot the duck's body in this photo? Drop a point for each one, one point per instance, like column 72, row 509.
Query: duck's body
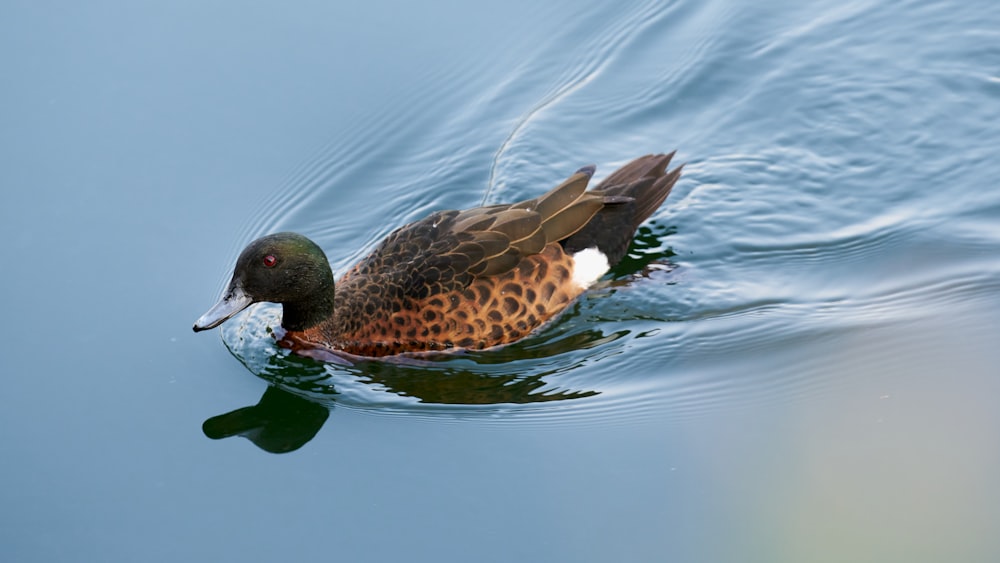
column 486, row 311
column 468, row 279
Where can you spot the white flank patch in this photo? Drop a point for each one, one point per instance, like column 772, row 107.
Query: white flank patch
column 588, row 266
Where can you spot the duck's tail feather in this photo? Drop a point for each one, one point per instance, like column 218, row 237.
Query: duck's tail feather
column 631, row 195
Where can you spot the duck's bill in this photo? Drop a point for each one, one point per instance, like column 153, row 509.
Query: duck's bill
column 234, row 301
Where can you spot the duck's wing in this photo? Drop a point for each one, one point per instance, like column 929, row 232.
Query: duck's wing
column 449, row 249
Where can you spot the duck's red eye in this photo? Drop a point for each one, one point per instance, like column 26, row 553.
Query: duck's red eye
column 270, row 261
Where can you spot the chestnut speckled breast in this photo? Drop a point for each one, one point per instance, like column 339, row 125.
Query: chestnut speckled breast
column 469, row 279
column 488, row 312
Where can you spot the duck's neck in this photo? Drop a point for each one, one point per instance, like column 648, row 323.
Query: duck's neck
column 309, row 312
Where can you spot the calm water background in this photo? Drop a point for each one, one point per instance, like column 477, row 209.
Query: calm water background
column 799, row 363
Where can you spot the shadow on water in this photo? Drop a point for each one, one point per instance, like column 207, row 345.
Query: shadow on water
column 302, row 390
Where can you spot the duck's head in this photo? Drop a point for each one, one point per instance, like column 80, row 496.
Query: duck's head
column 285, row 268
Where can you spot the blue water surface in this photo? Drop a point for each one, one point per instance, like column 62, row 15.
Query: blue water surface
column 796, row 362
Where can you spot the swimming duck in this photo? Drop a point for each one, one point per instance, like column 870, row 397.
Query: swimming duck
column 468, row 279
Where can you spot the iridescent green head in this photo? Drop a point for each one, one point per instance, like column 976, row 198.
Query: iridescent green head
column 285, row 268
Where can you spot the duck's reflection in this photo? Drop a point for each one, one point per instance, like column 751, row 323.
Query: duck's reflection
column 279, row 423
column 298, row 401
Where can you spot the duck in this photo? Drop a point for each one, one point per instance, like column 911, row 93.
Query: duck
column 468, row 279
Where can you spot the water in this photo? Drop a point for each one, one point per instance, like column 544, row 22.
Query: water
column 797, row 362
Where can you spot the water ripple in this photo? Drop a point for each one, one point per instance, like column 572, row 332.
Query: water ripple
column 824, row 199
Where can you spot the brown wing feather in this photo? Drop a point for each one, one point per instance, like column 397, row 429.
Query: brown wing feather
column 572, row 218
column 563, row 195
column 447, row 250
